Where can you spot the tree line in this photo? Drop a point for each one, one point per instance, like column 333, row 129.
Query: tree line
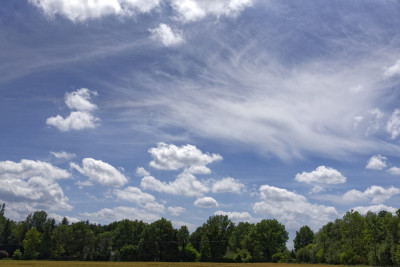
column 354, row 239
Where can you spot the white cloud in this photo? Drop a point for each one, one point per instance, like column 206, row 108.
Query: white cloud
column 375, row 209
column 392, row 70
column 320, row 177
column 84, row 183
column 193, row 10
column 176, row 211
column 206, row 202
column 227, row 185
column 140, row 171
column 80, row 119
column 165, row 34
column 236, row 217
column 376, row 162
column 106, row 215
column 80, row 100
column 100, row 172
column 30, row 185
column 171, row 157
column 394, row 171
column 86, row 9
column 59, row 218
column 185, row 184
column 377, row 194
column 155, row 207
column 77, row 120
column 393, row 124
column 30, row 168
column 292, row 209
column 63, row 155
column 134, row 194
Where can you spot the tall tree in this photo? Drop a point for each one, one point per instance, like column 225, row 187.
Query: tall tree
column 32, row 242
column 270, row 238
column 218, row 230
column 303, row 237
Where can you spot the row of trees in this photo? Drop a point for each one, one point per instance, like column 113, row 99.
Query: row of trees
column 219, row 239
column 354, row 239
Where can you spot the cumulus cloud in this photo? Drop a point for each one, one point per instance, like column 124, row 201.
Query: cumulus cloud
column 227, row 185
column 30, row 185
column 376, row 162
column 106, row 215
column 166, row 35
column 155, row 207
column 206, row 202
column 59, row 218
column 63, row 155
column 394, row 171
column 176, row 211
column 189, row 157
column 134, row 194
column 377, row 194
column 77, row 120
column 80, row 119
column 29, row 168
column 185, row 184
column 393, row 124
column 188, row 10
column 193, row 10
column 236, row 217
column 375, row 209
column 392, row 70
column 82, row 10
column 321, row 176
column 140, row 171
column 100, row 172
column 80, row 100
column 292, row 209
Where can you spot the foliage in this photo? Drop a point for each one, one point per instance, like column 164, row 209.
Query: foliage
column 32, row 242
column 373, row 238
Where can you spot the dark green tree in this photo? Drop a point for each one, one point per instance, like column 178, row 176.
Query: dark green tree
column 217, row 230
column 303, row 237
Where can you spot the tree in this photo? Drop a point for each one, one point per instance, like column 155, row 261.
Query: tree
column 104, row 242
column 159, row 242
column 60, row 238
column 217, row 230
column 32, row 242
column 270, row 238
column 238, row 241
column 303, row 237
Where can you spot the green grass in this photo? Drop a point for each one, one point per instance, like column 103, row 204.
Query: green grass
column 11, row 263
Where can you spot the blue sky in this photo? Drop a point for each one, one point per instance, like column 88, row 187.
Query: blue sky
column 184, row 108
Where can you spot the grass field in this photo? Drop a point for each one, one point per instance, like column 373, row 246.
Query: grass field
column 9, row 263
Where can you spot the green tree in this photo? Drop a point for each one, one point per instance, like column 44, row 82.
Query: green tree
column 217, row 230
column 159, row 242
column 60, row 238
column 104, row 243
column 303, row 237
column 352, row 229
column 270, row 238
column 32, row 242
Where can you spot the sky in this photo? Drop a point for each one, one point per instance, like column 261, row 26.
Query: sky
column 184, row 109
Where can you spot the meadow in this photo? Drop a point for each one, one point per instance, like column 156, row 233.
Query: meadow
column 9, row 263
